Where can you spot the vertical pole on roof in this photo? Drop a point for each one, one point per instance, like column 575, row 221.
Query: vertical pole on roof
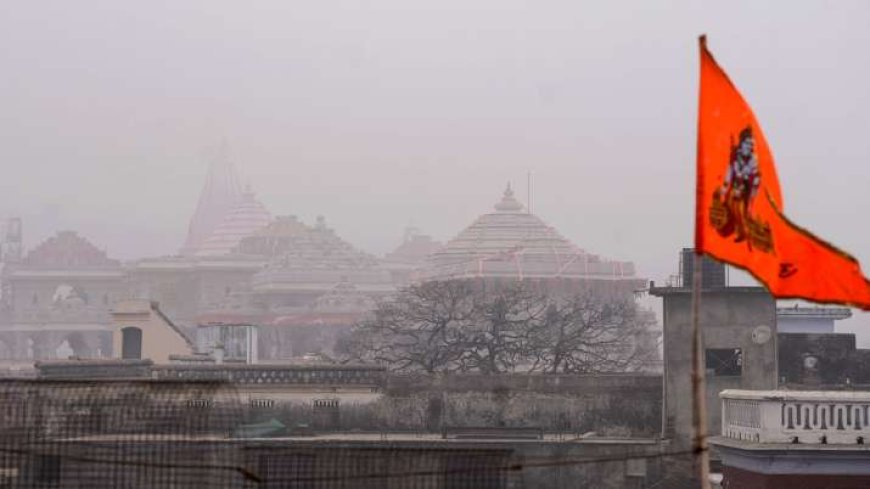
column 700, row 448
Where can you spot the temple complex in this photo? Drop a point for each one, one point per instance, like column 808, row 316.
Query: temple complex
column 300, row 284
column 312, row 286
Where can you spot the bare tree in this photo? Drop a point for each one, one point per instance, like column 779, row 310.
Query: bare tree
column 587, row 333
column 453, row 326
column 503, row 330
column 420, row 329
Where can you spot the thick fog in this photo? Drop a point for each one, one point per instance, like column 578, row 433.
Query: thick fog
column 378, row 114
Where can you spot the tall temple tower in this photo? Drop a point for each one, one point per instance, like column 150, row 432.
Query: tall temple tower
column 221, row 192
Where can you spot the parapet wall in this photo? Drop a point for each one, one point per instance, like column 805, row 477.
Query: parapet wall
column 640, row 385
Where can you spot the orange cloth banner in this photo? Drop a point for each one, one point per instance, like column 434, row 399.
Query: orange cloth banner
column 739, row 209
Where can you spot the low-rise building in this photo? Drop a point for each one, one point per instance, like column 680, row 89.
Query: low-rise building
column 794, row 439
column 809, row 319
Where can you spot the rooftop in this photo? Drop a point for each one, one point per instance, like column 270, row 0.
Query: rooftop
column 814, row 312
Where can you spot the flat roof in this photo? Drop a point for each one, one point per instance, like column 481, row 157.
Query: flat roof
column 663, row 291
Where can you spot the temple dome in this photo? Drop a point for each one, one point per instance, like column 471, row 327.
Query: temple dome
column 414, row 249
column 512, row 242
column 67, row 249
column 245, row 218
column 311, row 259
column 278, row 237
column 296, row 245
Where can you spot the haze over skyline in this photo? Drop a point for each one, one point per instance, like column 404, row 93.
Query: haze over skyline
column 379, row 114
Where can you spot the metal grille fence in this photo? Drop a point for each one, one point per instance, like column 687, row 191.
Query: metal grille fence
column 150, row 434
column 198, row 434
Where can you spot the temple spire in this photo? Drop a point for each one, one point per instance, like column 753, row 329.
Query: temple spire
column 219, row 194
column 508, row 202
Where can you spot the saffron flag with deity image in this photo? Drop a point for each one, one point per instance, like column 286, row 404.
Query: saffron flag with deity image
column 739, row 207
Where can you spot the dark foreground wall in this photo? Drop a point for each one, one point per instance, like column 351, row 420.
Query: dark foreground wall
column 608, row 405
column 139, row 433
column 614, row 405
column 342, row 397
column 744, row 479
column 345, row 463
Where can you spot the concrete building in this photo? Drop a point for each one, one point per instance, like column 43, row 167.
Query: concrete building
column 321, row 425
column 141, row 330
column 739, row 341
column 801, row 437
column 822, row 362
column 235, row 342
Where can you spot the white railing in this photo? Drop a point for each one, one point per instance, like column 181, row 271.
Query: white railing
column 824, row 417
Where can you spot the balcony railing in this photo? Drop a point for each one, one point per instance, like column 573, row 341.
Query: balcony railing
column 812, row 417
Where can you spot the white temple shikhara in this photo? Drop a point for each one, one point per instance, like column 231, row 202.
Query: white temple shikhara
column 244, row 218
column 219, row 195
column 513, row 244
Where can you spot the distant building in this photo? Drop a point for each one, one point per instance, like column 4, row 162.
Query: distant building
column 141, row 330
column 814, row 319
column 187, row 287
column 232, row 342
column 511, row 244
column 407, row 261
column 57, row 299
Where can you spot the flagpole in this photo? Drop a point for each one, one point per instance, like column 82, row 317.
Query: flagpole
column 699, row 404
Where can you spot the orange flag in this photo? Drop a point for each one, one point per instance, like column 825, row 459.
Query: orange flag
column 739, row 209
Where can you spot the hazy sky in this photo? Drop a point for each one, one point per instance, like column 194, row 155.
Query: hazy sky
column 378, row 114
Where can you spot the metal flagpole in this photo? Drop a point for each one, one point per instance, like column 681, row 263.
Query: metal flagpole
column 699, row 391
